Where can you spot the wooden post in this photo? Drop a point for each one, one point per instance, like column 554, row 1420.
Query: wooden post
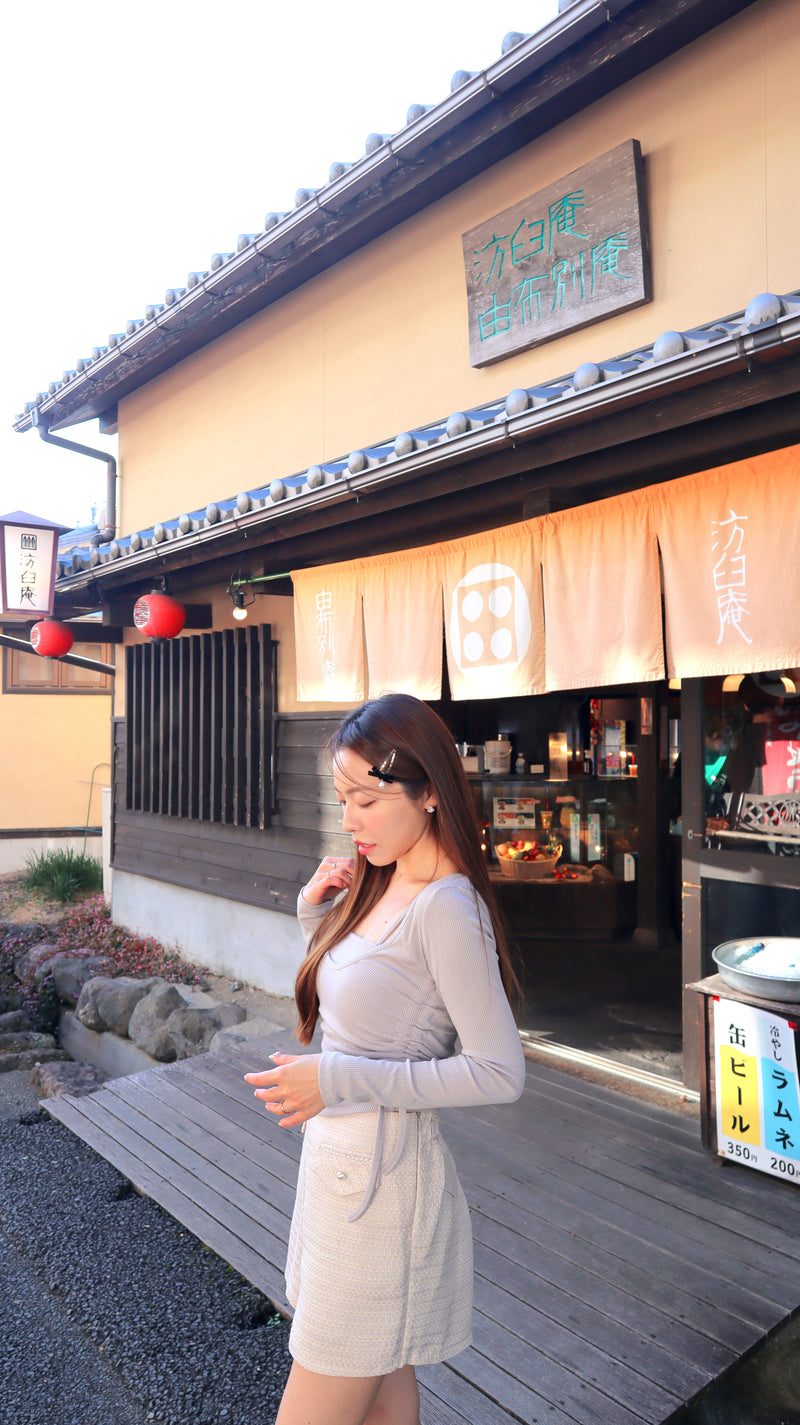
column 693, row 817
column 652, row 916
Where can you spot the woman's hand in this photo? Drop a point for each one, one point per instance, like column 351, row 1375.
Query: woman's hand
column 334, row 874
column 290, row 1089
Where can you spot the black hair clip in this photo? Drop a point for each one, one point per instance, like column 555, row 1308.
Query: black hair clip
column 384, row 772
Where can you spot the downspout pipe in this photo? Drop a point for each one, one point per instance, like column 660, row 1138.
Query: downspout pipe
column 109, row 531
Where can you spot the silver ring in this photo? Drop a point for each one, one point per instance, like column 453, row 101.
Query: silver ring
column 282, row 1105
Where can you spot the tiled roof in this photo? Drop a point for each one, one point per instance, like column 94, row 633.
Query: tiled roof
column 673, row 358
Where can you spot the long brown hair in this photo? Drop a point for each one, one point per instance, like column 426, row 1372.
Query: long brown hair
column 425, row 760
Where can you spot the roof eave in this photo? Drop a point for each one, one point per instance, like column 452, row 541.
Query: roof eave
column 693, row 368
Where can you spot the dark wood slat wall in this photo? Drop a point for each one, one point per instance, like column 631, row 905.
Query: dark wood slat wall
column 199, row 714
column 262, row 862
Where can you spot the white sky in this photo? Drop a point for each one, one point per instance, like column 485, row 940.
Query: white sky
column 138, row 138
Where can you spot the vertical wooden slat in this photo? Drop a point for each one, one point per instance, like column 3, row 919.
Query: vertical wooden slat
column 174, row 724
column 214, row 692
column 130, row 723
column 153, row 798
column 164, row 725
column 253, row 724
column 195, row 705
column 228, row 726
column 183, row 729
column 269, row 726
column 205, row 723
column 145, row 726
column 240, row 797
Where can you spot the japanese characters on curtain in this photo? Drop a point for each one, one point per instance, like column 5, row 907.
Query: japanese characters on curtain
column 329, row 636
column 602, row 595
column 403, row 623
column 572, row 600
column 758, row 1112
column 731, row 572
column 493, row 615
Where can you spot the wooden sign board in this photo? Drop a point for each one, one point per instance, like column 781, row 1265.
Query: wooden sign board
column 570, row 255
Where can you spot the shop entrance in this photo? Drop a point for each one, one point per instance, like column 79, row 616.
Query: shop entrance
column 582, row 835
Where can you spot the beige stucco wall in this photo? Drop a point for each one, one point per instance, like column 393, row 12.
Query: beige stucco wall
column 379, row 344
column 50, row 744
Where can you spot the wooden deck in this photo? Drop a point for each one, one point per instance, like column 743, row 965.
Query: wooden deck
column 619, row 1268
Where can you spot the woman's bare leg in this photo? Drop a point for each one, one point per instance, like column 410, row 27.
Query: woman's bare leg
column 311, row 1399
column 397, row 1401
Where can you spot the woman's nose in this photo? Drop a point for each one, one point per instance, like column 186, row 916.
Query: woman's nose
column 348, row 821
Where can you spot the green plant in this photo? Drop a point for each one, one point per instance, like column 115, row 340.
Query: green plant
column 62, row 875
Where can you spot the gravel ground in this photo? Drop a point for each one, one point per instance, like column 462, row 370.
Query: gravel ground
column 110, row 1311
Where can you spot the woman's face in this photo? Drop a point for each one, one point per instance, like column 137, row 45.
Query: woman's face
column 385, row 824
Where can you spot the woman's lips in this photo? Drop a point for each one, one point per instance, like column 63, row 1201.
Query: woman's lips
column 363, row 848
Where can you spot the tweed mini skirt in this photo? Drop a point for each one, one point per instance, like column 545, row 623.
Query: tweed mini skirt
column 389, row 1287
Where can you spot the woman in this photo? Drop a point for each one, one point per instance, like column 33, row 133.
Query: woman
column 406, row 955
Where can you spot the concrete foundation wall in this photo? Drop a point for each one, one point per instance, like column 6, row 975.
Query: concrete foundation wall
column 15, row 850
column 260, row 947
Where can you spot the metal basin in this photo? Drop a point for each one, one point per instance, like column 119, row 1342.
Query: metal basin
column 768, row 968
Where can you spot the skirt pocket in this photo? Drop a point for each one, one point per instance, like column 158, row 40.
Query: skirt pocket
column 340, row 1173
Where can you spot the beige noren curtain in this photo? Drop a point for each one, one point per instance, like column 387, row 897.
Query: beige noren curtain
column 602, row 597
column 729, row 545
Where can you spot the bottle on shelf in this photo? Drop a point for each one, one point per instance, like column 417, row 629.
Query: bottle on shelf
column 519, row 765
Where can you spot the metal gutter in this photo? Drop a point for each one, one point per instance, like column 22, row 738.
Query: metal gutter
column 109, row 461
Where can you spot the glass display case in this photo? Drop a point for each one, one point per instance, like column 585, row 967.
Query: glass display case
column 592, row 824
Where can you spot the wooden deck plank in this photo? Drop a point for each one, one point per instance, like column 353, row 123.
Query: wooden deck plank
column 618, row 1340
column 618, row 1270
column 493, row 1395
column 600, row 1288
column 587, row 1372
column 666, row 1193
column 634, row 1213
column 207, row 1156
column 640, row 1145
column 641, row 1269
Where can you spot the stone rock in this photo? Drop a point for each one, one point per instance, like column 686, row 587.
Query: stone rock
column 55, row 1078
column 29, row 1058
column 71, row 972
column 107, row 1004
column 192, row 1029
column 14, row 1020
column 147, row 1027
column 31, row 958
column 25, row 1039
column 242, row 1036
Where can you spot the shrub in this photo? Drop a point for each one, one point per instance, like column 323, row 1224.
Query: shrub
column 63, row 874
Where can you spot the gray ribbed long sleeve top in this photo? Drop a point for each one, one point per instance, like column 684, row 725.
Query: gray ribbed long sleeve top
column 419, row 1019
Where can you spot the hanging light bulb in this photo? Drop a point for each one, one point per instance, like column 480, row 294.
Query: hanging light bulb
column 239, row 610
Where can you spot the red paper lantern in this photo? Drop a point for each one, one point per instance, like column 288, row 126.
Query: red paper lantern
column 159, row 616
column 51, row 639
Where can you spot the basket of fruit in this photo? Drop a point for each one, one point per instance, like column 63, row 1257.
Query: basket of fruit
column 526, row 860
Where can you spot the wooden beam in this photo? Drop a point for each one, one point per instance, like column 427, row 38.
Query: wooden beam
column 92, row 664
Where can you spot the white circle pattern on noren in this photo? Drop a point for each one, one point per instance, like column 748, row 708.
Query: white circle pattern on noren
column 490, row 620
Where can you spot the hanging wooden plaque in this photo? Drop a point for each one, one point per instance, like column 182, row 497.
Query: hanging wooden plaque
column 571, row 254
